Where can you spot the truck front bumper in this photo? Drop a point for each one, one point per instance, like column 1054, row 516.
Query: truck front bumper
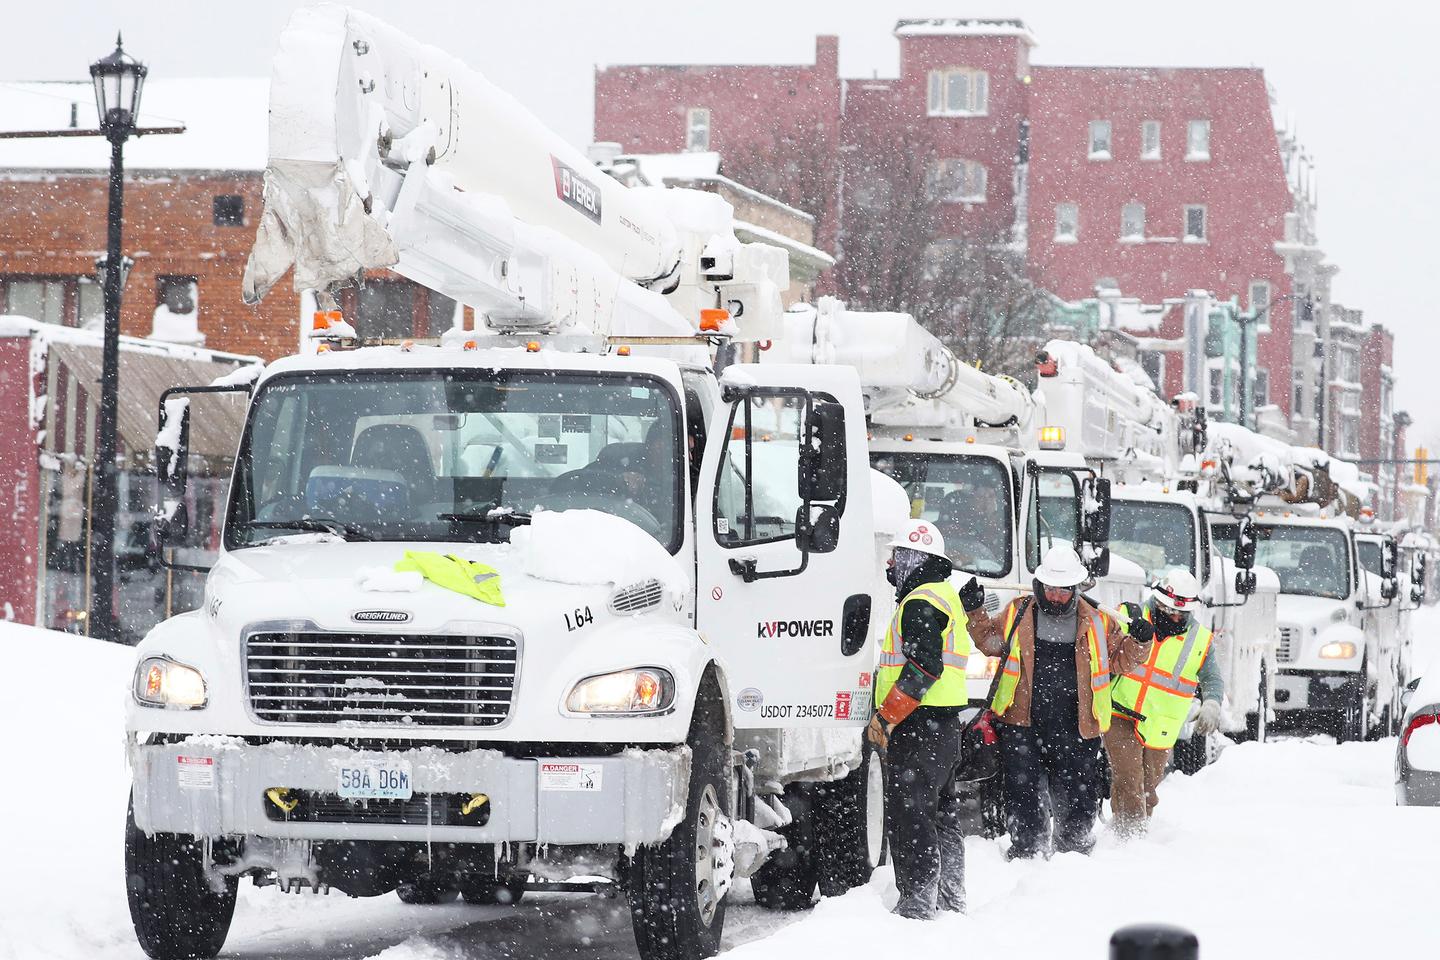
column 1312, row 690
column 216, row 786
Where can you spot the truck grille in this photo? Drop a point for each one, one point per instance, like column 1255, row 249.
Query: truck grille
column 436, row 809
column 1289, row 643
column 389, row 679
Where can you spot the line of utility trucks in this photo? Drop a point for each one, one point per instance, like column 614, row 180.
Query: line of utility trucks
column 630, row 642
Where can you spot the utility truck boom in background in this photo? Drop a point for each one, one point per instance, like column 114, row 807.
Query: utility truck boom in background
column 633, row 602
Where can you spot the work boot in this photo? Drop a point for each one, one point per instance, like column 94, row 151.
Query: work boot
column 1083, row 844
column 914, row 908
column 1017, row 852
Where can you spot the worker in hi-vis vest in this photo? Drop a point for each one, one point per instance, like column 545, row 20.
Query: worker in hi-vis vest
column 1153, row 700
column 1052, row 699
column 919, row 692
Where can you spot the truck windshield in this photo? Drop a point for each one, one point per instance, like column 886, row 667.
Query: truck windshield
column 1310, row 561
column 1157, row 536
column 455, row 455
column 1369, row 551
column 966, row 497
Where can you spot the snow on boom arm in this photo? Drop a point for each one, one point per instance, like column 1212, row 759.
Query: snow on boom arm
column 909, row 377
column 386, row 153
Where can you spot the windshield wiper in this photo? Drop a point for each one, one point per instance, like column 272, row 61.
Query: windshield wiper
column 498, row 516
column 344, row 531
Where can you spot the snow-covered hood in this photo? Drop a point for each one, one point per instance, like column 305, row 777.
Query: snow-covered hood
column 1302, row 611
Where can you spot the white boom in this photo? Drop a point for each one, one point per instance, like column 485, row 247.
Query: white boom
column 374, row 164
column 909, row 377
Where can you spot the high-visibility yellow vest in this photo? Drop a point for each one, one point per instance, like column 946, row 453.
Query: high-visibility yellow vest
column 1159, row 693
column 455, row 573
column 949, row 690
column 1100, row 704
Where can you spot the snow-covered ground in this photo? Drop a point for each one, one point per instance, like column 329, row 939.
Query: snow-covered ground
column 1287, row 849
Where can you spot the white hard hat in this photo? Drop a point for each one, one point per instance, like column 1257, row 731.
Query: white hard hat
column 1062, row 568
column 921, row 535
column 1178, row 590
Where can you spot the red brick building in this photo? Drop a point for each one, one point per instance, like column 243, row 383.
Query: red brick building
column 1150, row 181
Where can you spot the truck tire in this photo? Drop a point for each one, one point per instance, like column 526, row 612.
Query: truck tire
column 677, row 908
column 1191, row 754
column 1257, row 725
column 177, row 913
column 850, row 827
column 490, row 891
column 1352, row 722
column 427, row 890
column 788, row 879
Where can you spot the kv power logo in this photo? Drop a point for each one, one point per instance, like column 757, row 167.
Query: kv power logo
column 575, row 190
column 796, row 628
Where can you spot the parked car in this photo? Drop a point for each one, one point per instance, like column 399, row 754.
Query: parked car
column 1417, row 752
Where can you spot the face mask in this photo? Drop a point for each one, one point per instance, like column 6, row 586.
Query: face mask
column 907, row 561
column 1049, row 606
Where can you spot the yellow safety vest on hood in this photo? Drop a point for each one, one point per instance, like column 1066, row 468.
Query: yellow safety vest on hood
column 949, row 690
column 454, row 573
column 1157, row 691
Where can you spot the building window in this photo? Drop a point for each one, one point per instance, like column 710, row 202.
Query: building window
column 958, row 181
column 697, row 129
column 229, row 210
column 1132, row 221
column 958, row 92
column 1067, row 222
column 1262, row 386
column 63, row 301
column 1217, row 386
column 1260, row 302
column 1299, row 403
column 1197, row 140
column 1099, row 139
column 1150, row 140
column 1195, row 226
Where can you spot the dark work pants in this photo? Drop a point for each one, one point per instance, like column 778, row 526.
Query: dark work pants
column 1049, row 755
column 921, row 815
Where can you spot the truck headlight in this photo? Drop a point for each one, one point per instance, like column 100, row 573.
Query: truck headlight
column 981, row 667
column 162, row 682
column 1337, row 650
column 641, row 690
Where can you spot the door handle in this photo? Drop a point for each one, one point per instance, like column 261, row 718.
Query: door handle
column 854, row 624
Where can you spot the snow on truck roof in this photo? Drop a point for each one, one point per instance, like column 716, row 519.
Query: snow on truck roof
column 425, row 357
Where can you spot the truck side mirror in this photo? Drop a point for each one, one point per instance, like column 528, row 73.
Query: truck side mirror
column 172, row 457
column 1417, row 570
column 820, row 532
column 1099, row 563
column 1244, row 582
column 1095, row 511
column 822, row 454
column 1245, row 544
column 1389, row 560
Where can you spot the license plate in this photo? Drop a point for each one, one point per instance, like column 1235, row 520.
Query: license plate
column 376, row 780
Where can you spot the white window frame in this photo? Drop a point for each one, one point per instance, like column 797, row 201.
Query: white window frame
column 1185, row 234
column 1149, row 146
column 697, row 118
column 1127, row 235
column 957, row 180
column 1264, row 325
column 1074, row 235
column 1108, row 130
column 1192, row 150
column 977, row 93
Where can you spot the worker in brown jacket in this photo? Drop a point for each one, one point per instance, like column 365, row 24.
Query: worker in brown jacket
column 1053, row 701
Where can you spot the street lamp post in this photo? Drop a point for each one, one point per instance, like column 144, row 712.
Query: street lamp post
column 118, row 80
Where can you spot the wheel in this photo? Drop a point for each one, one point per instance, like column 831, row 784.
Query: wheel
column 1352, row 722
column 1191, row 754
column 677, row 888
column 849, row 827
column 788, row 879
column 1257, row 724
column 428, row 889
column 489, row 890
column 176, row 909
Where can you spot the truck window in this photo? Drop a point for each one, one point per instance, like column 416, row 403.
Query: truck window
column 1310, row 561
column 1369, row 551
column 1054, row 515
column 1157, row 536
column 757, row 494
column 416, row 456
column 967, row 497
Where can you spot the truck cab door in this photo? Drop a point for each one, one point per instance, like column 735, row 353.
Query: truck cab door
column 785, row 546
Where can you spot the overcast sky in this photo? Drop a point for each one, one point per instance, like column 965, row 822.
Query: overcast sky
column 1358, row 79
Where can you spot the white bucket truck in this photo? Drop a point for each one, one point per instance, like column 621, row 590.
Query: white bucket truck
column 633, row 598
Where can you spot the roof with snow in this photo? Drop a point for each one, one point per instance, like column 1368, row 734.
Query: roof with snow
column 227, row 123
column 964, row 27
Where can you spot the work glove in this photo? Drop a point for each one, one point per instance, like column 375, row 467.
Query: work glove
column 1207, row 721
column 972, row 595
column 1141, row 630
column 878, row 733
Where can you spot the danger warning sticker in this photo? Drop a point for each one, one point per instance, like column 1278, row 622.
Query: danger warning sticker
column 195, row 773
column 577, row 777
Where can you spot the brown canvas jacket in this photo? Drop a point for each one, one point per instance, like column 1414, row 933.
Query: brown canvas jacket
column 988, row 634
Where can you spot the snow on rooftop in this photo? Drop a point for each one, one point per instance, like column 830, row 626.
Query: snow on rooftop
column 656, row 168
column 226, row 120
column 964, row 27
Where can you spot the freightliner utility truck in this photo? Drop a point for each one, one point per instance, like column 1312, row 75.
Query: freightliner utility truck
column 1162, row 516
column 551, row 597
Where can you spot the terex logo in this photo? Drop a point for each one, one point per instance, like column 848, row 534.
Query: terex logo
column 575, row 190
column 797, row 628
